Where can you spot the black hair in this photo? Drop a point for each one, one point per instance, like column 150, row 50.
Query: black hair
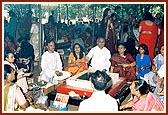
column 100, row 80
column 88, row 30
column 123, row 44
column 19, row 40
column 6, row 54
column 148, row 16
column 145, row 47
column 105, row 13
column 117, row 7
column 81, row 51
column 51, row 19
column 100, row 37
column 7, row 69
column 142, row 86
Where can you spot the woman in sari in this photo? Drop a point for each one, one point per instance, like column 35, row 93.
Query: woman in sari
column 123, row 63
column 12, row 93
column 21, row 76
column 107, row 31
column 77, row 60
column 143, row 99
column 148, row 33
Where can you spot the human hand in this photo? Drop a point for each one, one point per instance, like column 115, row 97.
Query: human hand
column 159, row 91
column 78, row 64
column 136, row 73
column 58, row 73
column 125, row 65
column 143, row 68
column 104, row 70
column 27, row 74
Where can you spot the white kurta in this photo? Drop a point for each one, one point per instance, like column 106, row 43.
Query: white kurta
column 50, row 63
column 100, row 59
column 99, row 101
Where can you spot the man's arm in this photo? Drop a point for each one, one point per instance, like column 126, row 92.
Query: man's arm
column 107, row 62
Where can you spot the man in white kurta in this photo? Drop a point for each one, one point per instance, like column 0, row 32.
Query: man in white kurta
column 51, row 65
column 99, row 56
column 99, row 100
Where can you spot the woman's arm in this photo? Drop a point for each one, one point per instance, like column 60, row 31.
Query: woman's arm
column 20, row 99
column 129, row 65
column 127, row 105
column 111, row 69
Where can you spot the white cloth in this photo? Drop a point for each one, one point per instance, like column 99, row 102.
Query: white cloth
column 15, row 95
column 50, row 63
column 150, row 78
column 100, row 59
column 22, row 82
column 11, row 99
column 99, row 101
column 35, row 39
column 158, row 61
column 162, row 72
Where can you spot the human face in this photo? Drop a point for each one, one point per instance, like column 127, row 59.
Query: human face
column 162, row 50
column 141, row 50
column 109, row 13
column 158, row 79
column 133, row 90
column 51, row 47
column 121, row 49
column 11, row 76
column 77, row 49
column 10, row 58
column 100, row 43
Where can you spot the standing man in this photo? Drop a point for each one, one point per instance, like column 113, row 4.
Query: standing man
column 99, row 57
column 51, row 65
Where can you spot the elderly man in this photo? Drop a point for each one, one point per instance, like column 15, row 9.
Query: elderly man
column 99, row 57
column 51, row 65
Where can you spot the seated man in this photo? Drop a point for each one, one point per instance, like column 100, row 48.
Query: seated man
column 99, row 100
column 99, row 57
column 51, row 65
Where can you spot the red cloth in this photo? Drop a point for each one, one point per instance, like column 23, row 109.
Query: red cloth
column 128, row 72
column 150, row 103
column 161, row 39
column 149, row 39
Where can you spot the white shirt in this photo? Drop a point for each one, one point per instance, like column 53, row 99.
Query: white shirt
column 50, row 63
column 158, row 61
column 100, row 58
column 99, row 101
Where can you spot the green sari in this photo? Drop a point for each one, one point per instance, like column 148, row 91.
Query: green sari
column 9, row 97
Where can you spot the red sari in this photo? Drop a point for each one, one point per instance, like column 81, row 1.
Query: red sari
column 150, row 103
column 149, row 39
column 128, row 72
column 161, row 39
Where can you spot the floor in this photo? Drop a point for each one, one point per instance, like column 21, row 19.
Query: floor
column 37, row 71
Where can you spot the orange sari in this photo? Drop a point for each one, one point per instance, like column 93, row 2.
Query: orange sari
column 75, row 69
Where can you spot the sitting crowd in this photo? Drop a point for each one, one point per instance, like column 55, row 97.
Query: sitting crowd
column 142, row 73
